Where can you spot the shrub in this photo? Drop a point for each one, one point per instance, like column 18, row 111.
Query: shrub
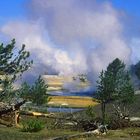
column 32, row 126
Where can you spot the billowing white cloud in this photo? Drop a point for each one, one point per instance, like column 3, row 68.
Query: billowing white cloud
column 45, row 55
column 71, row 36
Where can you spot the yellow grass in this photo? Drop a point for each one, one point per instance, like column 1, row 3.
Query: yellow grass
column 54, row 89
column 72, row 101
column 55, row 84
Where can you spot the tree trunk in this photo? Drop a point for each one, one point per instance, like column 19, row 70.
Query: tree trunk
column 16, row 118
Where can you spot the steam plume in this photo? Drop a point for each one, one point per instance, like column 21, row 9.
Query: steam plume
column 70, row 36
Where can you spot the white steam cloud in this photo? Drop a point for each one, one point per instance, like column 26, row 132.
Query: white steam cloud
column 70, row 36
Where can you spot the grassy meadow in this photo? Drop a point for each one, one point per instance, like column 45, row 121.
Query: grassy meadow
column 8, row 133
column 121, row 134
column 72, row 101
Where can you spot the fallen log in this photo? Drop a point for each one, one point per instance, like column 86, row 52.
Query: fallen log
column 37, row 114
column 50, row 115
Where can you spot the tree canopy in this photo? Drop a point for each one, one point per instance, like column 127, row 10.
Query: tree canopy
column 13, row 63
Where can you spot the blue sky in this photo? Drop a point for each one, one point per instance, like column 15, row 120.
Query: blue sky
column 15, row 9
column 11, row 10
column 131, row 7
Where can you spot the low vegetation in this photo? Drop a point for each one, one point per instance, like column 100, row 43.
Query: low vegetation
column 32, row 125
column 8, row 133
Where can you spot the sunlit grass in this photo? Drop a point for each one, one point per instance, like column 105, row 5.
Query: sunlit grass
column 72, row 101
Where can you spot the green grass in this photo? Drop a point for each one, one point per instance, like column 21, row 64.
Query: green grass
column 8, row 133
column 124, row 134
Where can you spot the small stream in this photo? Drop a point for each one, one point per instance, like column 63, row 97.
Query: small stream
column 66, row 110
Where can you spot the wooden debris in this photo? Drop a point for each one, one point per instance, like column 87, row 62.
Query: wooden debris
column 37, row 114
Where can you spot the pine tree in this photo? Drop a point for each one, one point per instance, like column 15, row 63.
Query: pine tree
column 137, row 69
column 13, row 63
column 25, row 91
column 39, row 92
column 114, row 84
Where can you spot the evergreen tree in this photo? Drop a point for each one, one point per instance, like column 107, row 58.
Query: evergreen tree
column 103, row 93
column 25, row 91
column 137, row 69
column 114, row 84
column 13, row 63
column 39, row 92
